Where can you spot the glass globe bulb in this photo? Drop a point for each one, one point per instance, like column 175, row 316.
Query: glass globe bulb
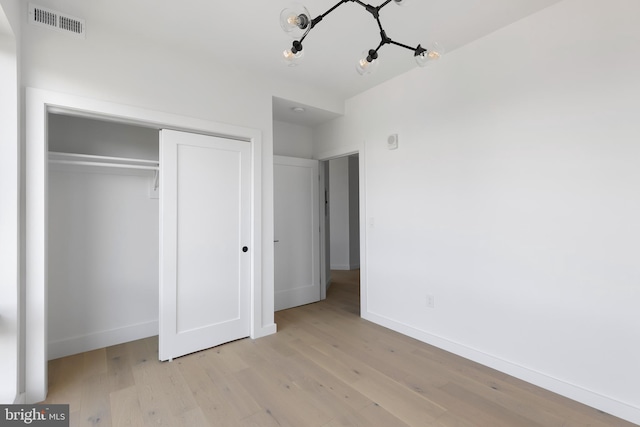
column 367, row 64
column 401, row 2
column 295, row 20
column 292, row 59
column 432, row 53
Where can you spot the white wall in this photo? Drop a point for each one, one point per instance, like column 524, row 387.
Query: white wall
column 10, row 197
column 339, row 213
column 344, row 213
column 513, row 199
column 103, row 239
column 292, row 140
column 103, row 138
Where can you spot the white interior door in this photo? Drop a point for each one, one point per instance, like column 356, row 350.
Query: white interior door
column 297, row 232
column 204, row 234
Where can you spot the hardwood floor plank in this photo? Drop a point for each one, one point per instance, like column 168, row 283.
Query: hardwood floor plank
column 261, row 419
column 125, row 408
column 280, row 400
column 239, row 399
column 222, row 400
column 94, row 362
column 482, row 411
column 119, row 364
column 371, row 415
column 65, row 381
column 162, row 391
column 449, row 419
column 95, row 409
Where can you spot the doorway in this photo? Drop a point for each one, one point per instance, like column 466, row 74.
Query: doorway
column 342, row 218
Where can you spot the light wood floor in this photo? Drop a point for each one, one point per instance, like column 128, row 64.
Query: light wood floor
column 324, row 367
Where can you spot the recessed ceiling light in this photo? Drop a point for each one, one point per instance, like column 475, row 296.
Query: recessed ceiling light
column 298, row 110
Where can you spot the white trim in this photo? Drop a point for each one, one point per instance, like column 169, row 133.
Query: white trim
column 347, row 151
column 338, row 152
column 10, row 220
column 322, row 220
column 38, row 103
column 80, row 344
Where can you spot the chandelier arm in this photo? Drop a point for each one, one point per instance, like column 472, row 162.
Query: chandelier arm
column 305, row 34
column 379, row 46
column 384, row 4
column 321, row 17
column 380, row 26
column 413, row 49
column 361, row 3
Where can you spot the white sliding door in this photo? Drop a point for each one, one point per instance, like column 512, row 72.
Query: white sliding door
column 204, row 237
column 297, row 232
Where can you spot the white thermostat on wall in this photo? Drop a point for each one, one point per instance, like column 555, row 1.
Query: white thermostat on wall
column 392, row 141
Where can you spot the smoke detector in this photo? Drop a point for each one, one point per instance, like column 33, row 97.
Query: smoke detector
column 61, row 22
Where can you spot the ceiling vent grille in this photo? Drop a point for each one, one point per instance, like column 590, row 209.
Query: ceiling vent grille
column 53, row 20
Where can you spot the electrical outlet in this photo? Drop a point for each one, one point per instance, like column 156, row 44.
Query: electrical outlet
column 430, row 301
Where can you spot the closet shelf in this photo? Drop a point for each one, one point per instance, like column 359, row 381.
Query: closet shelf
column 102, row 161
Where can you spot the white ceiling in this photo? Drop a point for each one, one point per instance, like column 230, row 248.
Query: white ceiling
column 247, row 33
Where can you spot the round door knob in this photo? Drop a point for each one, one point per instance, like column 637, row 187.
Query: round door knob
column 245, row 249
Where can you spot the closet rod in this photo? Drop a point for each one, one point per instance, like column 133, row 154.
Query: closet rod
column 103, row 164
column 57, row 155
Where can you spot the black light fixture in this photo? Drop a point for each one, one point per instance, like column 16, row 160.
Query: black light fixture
column 297, row 21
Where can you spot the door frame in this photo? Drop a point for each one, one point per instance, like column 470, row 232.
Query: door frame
column 324, row 157
column 38, row 104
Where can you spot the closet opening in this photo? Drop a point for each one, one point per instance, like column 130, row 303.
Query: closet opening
column 103, row 233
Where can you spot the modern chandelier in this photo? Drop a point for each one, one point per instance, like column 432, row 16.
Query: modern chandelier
column 296, row 21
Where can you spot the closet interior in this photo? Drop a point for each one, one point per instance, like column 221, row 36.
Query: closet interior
column 103, row 233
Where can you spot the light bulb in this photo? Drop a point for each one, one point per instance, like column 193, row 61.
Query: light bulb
column 368, row 63
column 292, row 56
column 362, row 66
column 295, row 20
column 429, row 55
column 401, row 2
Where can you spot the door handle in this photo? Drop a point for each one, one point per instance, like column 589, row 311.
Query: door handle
column 245, row 249
column 276, row 241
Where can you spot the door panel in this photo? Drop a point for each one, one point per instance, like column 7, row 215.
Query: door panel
column 204, row 224
column 297, row 250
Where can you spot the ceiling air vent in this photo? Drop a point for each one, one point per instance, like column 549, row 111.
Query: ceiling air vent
column 53, row 20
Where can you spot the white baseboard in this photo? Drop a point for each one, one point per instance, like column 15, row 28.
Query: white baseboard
column 603, row 403
column 75, row 345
